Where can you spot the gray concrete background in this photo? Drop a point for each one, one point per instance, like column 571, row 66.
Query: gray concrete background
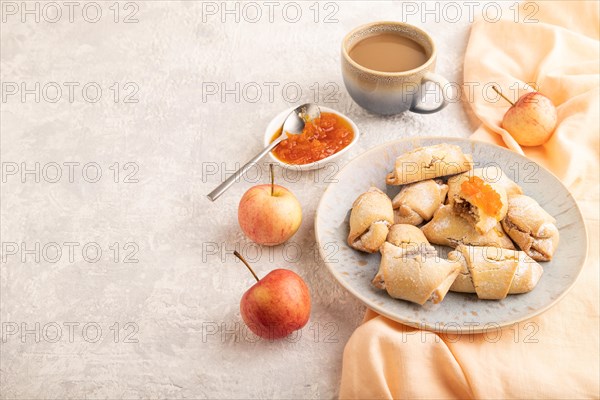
column 123, row 285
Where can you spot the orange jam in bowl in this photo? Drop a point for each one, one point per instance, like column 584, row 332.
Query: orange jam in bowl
column 321, row 138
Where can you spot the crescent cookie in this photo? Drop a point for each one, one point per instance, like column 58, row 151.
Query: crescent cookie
column 371, row 216
column 429, row 162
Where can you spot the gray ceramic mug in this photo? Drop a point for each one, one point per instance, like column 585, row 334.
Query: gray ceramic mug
column 389, row 93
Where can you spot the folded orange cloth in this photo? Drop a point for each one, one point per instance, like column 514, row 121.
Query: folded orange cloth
column 555, row 355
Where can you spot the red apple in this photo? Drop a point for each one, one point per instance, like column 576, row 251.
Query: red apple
column 269, row 214
column 531, row 120
column 276, row 305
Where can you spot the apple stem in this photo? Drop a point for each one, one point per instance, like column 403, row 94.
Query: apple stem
column 272, row 179
column 503, row 96
column 238, row 255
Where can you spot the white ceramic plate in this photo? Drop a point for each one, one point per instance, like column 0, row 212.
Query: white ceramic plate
column 458, row 313
column 276, row 123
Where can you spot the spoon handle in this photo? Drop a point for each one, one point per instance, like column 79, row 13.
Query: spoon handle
column 219, row 190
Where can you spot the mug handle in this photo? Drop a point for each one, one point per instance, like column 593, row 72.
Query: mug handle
column 441, row 82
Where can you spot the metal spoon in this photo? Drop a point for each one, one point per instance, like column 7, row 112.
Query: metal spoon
column 294, row 124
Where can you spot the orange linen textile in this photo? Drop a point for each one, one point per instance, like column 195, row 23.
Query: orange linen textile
column 555, row 355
